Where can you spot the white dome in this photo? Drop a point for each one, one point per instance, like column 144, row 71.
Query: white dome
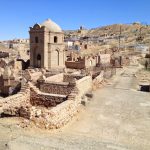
column 52, row 26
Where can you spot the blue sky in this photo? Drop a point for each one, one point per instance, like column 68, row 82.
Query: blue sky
column 18, row 15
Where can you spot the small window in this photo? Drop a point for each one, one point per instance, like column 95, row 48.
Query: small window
column 90, row 62
column 85, row 46
column 55, row 39
column 36, row 39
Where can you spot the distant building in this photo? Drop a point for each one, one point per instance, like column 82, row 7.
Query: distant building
column 142, row 49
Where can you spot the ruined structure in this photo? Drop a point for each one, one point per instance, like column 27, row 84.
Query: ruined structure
column 8, row 82
column 78, row 61
column 53, row 87
column 51, row 105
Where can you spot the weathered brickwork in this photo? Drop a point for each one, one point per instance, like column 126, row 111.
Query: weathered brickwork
column 58, row 116
column 56, row 88
column 98, row 80
column 46, row 110
column 11, row 105
column 72, row 77
column 55, row 78
column 75, row 65
column 39, row 98
column 51, row 84
column 84, row 85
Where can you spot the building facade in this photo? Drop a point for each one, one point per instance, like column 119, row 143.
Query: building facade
column 47, row 46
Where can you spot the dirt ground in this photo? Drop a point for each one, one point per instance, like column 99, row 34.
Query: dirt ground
column 117, row 118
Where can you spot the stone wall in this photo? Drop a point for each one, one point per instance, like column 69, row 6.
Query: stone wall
column 39, row 98
column 55, row 117
column 75, row 65
column 58, row 116
column 4, row 54
column 71, row 77
column 63, row 88
column 56, row 78
column 12, row 105
column 51, row 85
column 98, row 80
column 32, row 74
column 84, row 85
column 33, row 104
column 109, row 72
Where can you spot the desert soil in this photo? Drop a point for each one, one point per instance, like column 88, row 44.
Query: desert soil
column 117, row 118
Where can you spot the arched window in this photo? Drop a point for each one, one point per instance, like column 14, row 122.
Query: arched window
column 55, row 39
column 85, row 46
column 90, row 62
column 99, row 60
column 36, row 39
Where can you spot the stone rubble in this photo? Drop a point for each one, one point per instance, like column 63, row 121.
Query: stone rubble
column 46, row 110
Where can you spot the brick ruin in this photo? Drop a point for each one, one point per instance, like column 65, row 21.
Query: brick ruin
column 54, row 82
column 51, row 105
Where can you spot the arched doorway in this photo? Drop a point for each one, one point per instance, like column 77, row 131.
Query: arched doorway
column 38, row 61
column 55, row 58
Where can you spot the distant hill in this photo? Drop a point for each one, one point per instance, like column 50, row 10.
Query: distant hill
column 129, row 31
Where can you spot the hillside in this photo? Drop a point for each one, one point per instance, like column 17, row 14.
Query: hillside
column 130, row 32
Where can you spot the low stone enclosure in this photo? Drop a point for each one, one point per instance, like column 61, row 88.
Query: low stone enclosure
column 52, row 103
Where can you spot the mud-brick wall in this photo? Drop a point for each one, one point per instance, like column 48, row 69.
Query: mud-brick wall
column 99, row 78
column 56, row 88
column 84, row 85
column 71, row 77
column 46, row 100
column 12, row 104
column 58, row 116
column 75, row 65
column 56, row 78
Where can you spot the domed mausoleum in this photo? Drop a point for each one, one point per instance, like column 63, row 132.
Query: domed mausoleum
column 47, row 46
column 51, row 26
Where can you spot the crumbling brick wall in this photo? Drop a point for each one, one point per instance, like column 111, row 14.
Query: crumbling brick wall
column 4, row 54
column 11, row 105
column 32, row 104
column 98, row 80
column 75, row 65
column 58, row 116
column 72, row 77
column 63, row 88
column 39, row 98
column 32, row 74
column 84, row 85
column 56, row 78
